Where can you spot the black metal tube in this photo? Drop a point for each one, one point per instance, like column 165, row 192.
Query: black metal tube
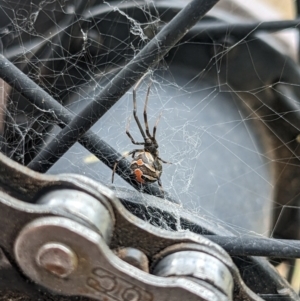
column 239, row 30
column 91, row 141
column 215, row 29
column 253, row 246
column 150, row 55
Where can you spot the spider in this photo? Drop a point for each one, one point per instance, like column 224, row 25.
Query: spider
column 146, row 164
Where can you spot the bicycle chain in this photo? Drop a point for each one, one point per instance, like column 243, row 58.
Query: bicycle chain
column 77, row 239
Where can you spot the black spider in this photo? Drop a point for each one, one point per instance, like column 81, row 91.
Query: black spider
column 146, row 164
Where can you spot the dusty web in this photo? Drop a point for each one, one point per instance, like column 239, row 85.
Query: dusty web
column 229, row 103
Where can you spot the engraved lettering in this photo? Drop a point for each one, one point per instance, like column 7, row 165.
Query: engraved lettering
column 131, row 295
column 114, row 288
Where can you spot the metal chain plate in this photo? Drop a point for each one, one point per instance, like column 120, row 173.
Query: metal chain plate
column 73, row 251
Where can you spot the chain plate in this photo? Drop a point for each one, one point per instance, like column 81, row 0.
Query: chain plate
column 94, row 245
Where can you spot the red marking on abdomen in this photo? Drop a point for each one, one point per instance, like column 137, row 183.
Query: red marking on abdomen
column 139, row 162
column 138, row 175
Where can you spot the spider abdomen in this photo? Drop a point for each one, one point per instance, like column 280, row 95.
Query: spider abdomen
column 145, row 167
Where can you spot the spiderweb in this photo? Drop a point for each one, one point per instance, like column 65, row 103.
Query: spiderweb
column 219, row 96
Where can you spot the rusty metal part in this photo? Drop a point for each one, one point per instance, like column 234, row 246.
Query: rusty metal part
column 57, row 259
column 135, row 257
column 100, row 273
column 129, row 231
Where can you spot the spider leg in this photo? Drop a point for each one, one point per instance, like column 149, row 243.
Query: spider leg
column 145, row 112
column 123, row 157
column 160, row 186
column 163, row 161
column 156, row 124
column 134, row 110
column 129, row 135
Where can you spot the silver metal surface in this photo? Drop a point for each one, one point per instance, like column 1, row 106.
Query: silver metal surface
column 100, row 273
column 198, row 265
column 26, row 183
column 82, row 205
column 57, row 259
column 135, row 257
column 241, row 291
column 91, row 249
